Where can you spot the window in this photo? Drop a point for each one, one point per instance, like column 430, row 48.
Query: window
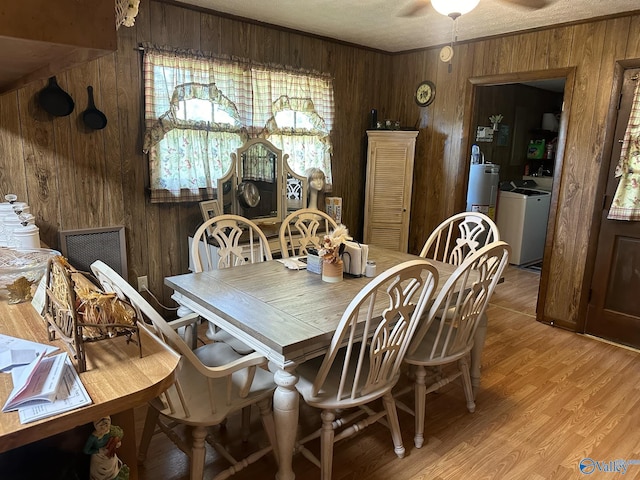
column 200, row 108
column 293, row 119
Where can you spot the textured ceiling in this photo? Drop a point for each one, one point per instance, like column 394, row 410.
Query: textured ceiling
column 379, row 24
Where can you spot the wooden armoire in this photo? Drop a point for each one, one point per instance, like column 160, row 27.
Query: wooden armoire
column 387, row 209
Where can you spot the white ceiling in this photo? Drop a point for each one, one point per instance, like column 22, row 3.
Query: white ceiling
column 379, row 24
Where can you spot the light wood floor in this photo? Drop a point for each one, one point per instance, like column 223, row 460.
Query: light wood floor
column 548, row 399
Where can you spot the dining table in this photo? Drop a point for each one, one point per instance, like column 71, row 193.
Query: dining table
column 287, row 315
column 118, row 379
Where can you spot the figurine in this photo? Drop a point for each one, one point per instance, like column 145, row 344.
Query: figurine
column 102, row 445
column 316, row 180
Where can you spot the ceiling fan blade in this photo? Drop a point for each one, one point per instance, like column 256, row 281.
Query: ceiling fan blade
column 414, row 8
column 529, row 4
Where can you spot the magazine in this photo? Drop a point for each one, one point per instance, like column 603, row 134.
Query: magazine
column 45, row 387
column 36, row 382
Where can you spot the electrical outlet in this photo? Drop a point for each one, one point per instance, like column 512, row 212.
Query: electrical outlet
column 143, row 283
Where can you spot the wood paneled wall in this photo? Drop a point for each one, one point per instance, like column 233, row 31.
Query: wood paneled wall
column 76, row 178
column 592, row 50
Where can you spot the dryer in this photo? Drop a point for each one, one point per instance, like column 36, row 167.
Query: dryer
column 522, row 221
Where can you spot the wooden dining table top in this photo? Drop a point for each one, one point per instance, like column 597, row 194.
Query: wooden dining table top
column 117, row 378
column 287, row 315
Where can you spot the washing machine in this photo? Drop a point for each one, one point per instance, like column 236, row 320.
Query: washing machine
column 522, row 222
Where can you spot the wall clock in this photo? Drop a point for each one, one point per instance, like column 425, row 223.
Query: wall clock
column 425, row 93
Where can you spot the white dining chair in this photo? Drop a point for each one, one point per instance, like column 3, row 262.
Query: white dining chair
column 353, row 373
column 452, row 242
column 238, row 241
column 445, row 335
column 303, row 229
column 212, row 382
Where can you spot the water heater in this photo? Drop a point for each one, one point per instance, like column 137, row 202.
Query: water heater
column 482, row 193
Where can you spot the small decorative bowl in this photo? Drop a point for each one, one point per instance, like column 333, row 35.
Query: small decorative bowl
column 20, row 268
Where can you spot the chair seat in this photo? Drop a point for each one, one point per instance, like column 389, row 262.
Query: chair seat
column 197, row 398
column 326, row 398
column 235, row 343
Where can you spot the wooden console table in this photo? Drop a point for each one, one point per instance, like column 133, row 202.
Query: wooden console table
column 117, row 380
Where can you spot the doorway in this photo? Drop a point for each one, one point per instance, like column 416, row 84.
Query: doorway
column 546, row 92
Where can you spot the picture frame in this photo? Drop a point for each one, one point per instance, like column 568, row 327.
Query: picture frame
column 210, row 209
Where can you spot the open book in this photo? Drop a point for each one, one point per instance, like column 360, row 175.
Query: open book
column 46, row 387
column 36, row 382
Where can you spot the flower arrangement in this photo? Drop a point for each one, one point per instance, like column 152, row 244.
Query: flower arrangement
column 333, row 243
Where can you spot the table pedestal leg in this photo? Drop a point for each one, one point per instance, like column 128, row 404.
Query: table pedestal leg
column 476, row 352
column 190, row 333
column 286, row 404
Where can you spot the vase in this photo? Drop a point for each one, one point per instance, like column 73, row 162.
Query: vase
column 332, row 272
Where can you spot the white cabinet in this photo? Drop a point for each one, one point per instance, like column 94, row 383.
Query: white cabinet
column 387, row 208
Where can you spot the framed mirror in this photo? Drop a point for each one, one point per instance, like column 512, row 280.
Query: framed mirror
column 260, row 184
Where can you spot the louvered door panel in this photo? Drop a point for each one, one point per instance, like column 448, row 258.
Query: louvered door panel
column 388, row 191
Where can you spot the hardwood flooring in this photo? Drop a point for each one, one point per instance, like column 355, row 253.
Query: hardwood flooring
column 549, row 398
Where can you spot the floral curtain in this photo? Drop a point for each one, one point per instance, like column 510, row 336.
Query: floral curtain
column 626, row 201
column 306, row 148
column 187, row 156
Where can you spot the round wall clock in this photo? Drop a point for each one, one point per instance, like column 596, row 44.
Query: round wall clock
column 425, row 93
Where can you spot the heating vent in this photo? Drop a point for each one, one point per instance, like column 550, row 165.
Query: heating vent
column 85, row 246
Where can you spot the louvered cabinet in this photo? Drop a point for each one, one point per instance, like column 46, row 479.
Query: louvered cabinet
column 387, row 208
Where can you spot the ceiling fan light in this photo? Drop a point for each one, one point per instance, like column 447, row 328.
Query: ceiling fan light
column 454, row 8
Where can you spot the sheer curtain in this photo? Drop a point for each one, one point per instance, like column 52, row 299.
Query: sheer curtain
column 189, row 150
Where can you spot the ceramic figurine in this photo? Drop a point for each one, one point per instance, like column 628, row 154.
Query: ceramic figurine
column 102, row 445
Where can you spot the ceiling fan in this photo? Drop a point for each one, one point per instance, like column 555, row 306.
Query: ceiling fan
column 417, row 7
column 454, row 9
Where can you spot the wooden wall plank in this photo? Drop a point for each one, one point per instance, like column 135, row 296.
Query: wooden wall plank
column 40, row 165
column 12, row 175
column 106, row 98
column 132, row 164
column 523, row 53
column 633, row 39
column 210, row 33
column 560, row 46
column 64, row 131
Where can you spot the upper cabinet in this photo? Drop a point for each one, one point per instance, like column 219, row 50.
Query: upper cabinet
column 41, row 38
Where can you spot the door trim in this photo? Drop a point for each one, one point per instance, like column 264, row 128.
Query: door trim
column 569, row 75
